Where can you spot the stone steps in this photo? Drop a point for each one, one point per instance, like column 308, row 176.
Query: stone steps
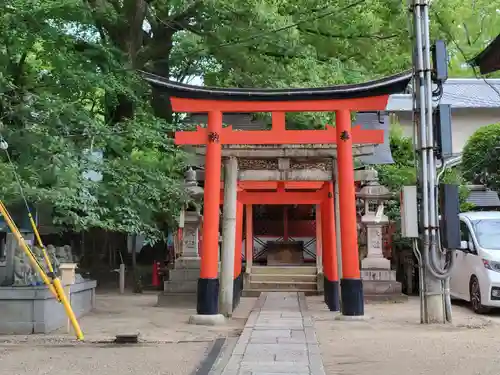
column 256, row 293
column 289, row 278
column 278, row 277
column 300, row 270
column 283, row 285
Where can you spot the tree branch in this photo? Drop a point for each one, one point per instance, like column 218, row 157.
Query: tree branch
column 19, row 68
column 341, row 36
column 189, row 12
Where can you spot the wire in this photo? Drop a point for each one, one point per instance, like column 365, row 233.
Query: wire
column 282, row 28
column 292, row 25
column 16, row 176
column 30, row 216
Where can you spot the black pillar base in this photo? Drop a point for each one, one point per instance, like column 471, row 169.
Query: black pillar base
column 351, row 291
column 207, row 297
column 237, row 289
column 331, row 290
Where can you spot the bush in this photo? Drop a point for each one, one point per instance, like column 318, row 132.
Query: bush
column 481, row 156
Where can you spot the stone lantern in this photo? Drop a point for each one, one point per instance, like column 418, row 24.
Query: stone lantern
column 374, row 196
column 183, row 279
column 191, row 185
column 190, row 220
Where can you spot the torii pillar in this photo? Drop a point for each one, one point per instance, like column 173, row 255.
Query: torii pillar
column 351, row 285
column 207, row 302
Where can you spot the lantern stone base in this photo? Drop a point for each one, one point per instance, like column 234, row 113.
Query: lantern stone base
column 377, row 263
column 181, row 287
column 381, row 286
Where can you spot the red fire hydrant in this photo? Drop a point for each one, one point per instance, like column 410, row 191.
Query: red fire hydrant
column 156, row 274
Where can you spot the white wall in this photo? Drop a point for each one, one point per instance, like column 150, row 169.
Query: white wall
column 464, row 123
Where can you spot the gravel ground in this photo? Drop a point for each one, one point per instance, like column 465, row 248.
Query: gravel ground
column 137, row 313
column 164, row 359
column 168, row 344
column 394, row 343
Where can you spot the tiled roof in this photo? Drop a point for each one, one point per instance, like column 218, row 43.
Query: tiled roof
column 240, row 121
column 484, row 199
column 459, row 93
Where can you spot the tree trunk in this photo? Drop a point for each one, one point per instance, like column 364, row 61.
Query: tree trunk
column 134, row 254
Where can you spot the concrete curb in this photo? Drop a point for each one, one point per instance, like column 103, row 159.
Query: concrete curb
column 223, row 358
column 207, row 364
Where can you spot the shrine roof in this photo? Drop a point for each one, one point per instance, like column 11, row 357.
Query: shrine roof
column 388, row 85
column 488, row 60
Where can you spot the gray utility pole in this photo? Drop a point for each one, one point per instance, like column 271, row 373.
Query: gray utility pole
column 435, row 271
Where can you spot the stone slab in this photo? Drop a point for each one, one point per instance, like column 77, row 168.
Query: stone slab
column 274, row 348
column 353, row 318
column 27, row 310
column 183, row 274
column 275, row 367
column 189, row 263
column 270, row 340
column 381, row 287
column 184, row 286
column 293, row 349
column 381, row 275
column 287, row 151
column 207, row 320
column 272, row 333
column 376, row 263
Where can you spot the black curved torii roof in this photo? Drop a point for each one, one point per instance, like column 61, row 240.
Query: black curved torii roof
column 488, row 60
column 385, row 86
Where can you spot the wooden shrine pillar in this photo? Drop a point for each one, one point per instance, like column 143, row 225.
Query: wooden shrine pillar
column 208, row 283
column 319, row 240
column 285, row 223
column 248, row 237
column 331, row 277
column 351, row 285
column 238, row 276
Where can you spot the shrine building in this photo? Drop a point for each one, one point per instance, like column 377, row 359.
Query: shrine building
column 286, row 195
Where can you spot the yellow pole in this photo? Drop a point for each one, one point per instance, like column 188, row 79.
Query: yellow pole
column 40, row 243
column 56, row 288
column 68, row 309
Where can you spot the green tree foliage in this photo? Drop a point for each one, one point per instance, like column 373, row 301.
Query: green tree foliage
column 481, row 157
column 395, row 176
column 468, row 27
column 68, row 84
column 403, row 173
column 60, row 90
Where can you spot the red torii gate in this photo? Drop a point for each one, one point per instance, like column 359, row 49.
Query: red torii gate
column 343, row 99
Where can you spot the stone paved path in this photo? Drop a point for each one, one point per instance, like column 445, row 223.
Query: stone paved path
column 278, row 338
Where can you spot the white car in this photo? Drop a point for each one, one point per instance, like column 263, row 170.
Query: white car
column 476, row 274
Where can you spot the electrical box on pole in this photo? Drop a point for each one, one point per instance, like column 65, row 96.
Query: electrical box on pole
column 442, row 130
column 449, row 208
column 409, row 212
column 440, row 62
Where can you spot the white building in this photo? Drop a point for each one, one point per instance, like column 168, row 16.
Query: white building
column 474, row 102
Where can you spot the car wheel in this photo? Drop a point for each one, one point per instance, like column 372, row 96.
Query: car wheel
column 475, row 297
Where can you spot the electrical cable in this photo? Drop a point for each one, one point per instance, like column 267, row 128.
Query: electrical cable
column 49, row 278
column 4, row 146
column 290, row 26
